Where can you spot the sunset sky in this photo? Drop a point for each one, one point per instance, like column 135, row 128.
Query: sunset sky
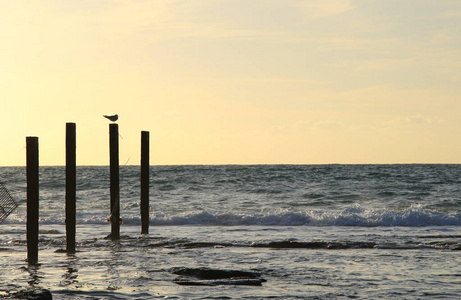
column 233, row 81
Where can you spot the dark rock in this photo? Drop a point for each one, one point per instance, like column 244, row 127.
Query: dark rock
column 205, row 273
column 292, row 244
column 33, row 295
column 250, row 282
column 214, row 277
column 316, row 245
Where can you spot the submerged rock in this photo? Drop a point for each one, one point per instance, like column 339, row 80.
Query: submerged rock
column 206, row 273
column 213, row 277
column 252, row 282
column 316, row 245
column 32, row 295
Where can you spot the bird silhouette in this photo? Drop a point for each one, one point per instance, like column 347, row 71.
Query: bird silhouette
column 112, row 118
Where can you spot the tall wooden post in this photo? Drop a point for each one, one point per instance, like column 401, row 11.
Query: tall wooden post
column 71, row 186
column 114, row 182
column 32, row 199
column 144, row 182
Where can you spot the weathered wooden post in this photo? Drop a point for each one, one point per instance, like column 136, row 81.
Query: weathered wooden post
column 114, row 182
column 144, row 182
column 32, row 199
column 71, row 186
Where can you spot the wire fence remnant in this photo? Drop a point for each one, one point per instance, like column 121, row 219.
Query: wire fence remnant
column 7, row 203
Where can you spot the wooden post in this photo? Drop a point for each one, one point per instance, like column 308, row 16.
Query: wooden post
column 32, row 199
column 114, row 182
column 144, row 182
column 71, row 186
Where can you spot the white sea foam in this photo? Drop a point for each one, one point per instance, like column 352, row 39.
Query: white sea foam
column 414, row 216
column 354, row 216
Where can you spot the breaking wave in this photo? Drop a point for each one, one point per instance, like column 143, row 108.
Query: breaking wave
column 413, row 216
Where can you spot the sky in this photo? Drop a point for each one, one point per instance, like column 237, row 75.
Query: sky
column 233, row 81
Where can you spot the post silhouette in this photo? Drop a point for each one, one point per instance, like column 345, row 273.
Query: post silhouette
column 71, row 186
column 114, row 182
column 144, row 182
column 32, row 199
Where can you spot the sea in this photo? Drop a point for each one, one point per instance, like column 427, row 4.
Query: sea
column 243, row 232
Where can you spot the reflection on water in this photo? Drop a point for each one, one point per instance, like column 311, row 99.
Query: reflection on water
column 71, row 274
column 34, row 275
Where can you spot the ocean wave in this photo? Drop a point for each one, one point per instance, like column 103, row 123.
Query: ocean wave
column 413, row 216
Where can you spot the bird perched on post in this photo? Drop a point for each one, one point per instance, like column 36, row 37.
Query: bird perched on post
column 112, row 118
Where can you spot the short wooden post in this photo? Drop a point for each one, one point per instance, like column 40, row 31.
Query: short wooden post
column 144, row 182
column 114, row 182
column 32, row 199
column 71, row 186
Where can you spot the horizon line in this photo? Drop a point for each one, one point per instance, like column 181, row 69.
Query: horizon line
column 241, row 164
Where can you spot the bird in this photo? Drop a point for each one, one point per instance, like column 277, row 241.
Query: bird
column 112, row 118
